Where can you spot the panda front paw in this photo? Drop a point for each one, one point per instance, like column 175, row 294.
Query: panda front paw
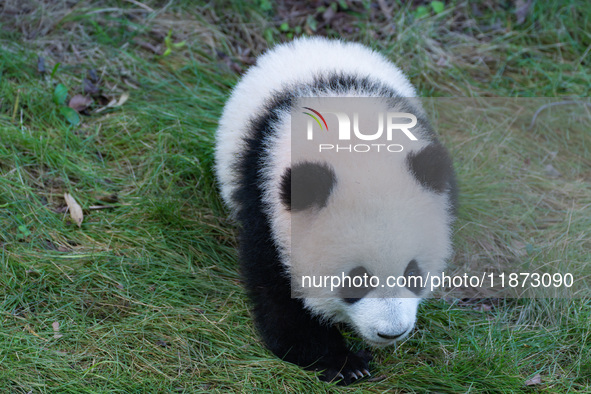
column 345, row 369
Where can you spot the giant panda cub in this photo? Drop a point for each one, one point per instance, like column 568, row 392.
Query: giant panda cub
column 389, row 214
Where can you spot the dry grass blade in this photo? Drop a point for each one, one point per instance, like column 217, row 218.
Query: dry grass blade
column 124, row 97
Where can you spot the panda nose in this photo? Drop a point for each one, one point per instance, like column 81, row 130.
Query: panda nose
column 388, row 336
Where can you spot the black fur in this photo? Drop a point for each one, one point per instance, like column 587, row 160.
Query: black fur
column 312, row 185
column 432, row 167
column 412, row 269
column 288, row 330
column 352, row 294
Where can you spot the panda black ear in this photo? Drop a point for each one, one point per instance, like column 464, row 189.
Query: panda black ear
column 307, row 185
column 432, row 167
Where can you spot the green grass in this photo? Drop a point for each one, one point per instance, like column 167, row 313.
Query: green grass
column 147, row 293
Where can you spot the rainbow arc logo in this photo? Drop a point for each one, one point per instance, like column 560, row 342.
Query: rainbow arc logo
column 315, row 118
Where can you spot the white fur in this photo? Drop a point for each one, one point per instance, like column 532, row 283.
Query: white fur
column 296, row 62
column 390, row 316
column 381, row 229
column 384, row 220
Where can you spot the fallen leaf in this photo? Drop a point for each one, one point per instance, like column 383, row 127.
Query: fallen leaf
column 537, row 379
column 115, row 103
column 75, row 209
column 79, row 102
column 56, row 330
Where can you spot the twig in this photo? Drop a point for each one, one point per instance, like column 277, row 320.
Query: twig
column 545, row 106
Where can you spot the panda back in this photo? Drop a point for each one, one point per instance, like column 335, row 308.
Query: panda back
column 291, row 66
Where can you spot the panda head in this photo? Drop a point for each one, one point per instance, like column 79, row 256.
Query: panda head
column 348, row 221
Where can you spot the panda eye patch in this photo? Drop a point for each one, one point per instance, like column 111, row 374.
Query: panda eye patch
column 411, row 273
column 307, row 185
column 356, row 285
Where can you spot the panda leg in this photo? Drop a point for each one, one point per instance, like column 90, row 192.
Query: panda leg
column 288, row 329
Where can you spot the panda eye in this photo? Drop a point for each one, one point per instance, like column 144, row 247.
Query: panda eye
column 356, row 289
column 413, row 270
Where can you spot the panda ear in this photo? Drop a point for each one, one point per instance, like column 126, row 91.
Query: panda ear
column 307, row 185
column 432, row 167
